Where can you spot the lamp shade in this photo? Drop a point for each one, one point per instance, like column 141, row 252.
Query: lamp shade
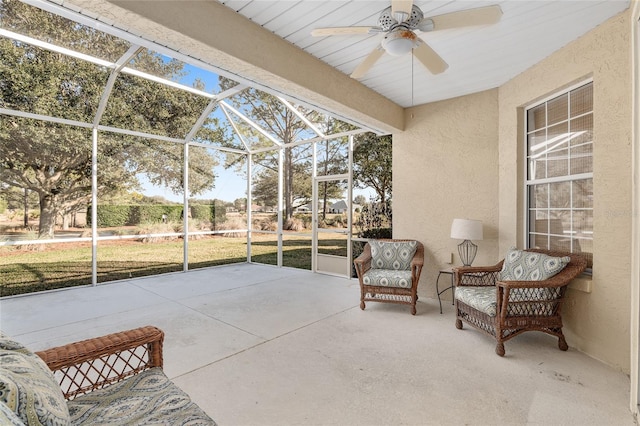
column 466, row 229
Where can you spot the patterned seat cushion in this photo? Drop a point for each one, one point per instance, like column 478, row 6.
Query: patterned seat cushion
column 531, row 266
column 28, row 387
column 396, row 255
column 8, row 417
column 530, row 301
column 387, row 278
column 481, row 298
column 147, row 398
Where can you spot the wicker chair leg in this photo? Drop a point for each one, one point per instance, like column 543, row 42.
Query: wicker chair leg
column 458, row 324
column 562, row 343
column 500, row 348
column 362, row 305
column 413, row 309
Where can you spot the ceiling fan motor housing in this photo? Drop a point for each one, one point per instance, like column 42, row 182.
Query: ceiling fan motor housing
column 387, row 21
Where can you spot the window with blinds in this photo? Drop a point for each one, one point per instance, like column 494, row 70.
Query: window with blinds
column 559, row 179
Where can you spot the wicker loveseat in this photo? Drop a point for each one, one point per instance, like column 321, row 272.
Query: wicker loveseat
column 389, row 271
column 111, row 380
column 524, row 292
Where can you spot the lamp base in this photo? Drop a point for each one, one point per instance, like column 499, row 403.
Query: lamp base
column 467, row 251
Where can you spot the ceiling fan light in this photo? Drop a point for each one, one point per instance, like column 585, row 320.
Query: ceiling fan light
column 399, row 42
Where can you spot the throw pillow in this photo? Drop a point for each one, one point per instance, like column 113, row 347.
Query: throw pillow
column 395, row 255
column 28, row 387
column 522, row 265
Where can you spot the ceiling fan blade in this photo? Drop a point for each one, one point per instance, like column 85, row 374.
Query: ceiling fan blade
column 368, row 62
column 401, row 6
column 321, row 32
column 466, row 18
column 429, row 58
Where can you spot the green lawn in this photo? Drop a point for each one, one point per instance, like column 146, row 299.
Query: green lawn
column 69, row 264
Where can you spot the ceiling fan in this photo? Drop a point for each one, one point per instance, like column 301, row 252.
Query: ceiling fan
column 399, row 23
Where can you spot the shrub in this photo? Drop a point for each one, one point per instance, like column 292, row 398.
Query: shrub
column 376, row 233
column 233, row 223
column 268, row 224
column 110, row 216
column 293, row 224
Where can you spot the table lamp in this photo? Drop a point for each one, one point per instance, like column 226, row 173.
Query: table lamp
column 467, row 230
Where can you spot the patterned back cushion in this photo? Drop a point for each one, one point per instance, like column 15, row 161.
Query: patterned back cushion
column 28, row 387
column 395, row 255
column 530, row 266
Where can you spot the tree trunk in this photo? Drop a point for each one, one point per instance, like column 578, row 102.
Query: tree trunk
column 48, row 214
column 66, row 219
column 26, row 207
column 288, row 184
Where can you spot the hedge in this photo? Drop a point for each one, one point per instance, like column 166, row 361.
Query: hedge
column 114, row 215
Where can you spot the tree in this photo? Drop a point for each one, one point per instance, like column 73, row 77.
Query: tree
column 372, row 167
column 54, row 160
column 360, row 200
column 372, row 164
column 240, row 204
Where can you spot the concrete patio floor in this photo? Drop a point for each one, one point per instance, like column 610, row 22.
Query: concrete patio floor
column 260, row 345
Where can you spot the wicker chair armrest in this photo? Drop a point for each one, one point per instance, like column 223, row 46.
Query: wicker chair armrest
column 476, row 275
column 83, row 366
column 363, row 262
column 418, row 258
column 531, row 284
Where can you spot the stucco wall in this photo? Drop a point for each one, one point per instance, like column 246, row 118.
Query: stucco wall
column 596, row 322
column 445, row 166
column 463, row 157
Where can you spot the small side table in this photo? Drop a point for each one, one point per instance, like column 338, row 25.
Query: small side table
column 451, row 287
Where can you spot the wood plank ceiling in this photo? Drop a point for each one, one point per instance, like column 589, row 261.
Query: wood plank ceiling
column 479, row 58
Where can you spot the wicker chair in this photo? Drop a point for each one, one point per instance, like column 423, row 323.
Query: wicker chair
column 391, row 285
column 517, row 306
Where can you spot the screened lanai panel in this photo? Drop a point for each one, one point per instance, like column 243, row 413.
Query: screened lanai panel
column 54, row 29
column 325, row 123
column 218, row 208
column 218, row 131
column 247, row 131
column 333, row 156
column 275, row 120
column 264, row 191
column 148, row 106
column 40, row 81
column 217, row 189
column 296, row 250
column 45, row 185
column 174, row 70
column 46, row 175
column 298, row 206
column 139, row 213
column 264, row 248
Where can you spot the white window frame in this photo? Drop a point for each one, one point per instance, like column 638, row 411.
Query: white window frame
column 527, row 182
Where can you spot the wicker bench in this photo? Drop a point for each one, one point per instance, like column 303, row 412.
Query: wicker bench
column 113, row 379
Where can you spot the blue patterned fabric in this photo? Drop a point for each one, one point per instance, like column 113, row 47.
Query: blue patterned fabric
column 396, row 255
column 148, row 398
column 530, row 266
column 481, row 298
column 8, row 417
column 28, row 388
column 387, row 278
